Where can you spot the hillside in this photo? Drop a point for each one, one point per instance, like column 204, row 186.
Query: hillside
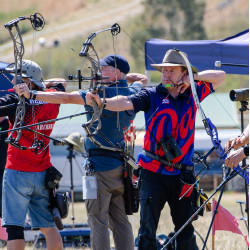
column 66, row 21
column 226, row 18
column 70, row 23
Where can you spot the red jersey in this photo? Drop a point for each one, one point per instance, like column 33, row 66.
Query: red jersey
column 28, row 160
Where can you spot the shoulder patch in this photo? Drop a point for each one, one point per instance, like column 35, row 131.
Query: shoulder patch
column 165, row 101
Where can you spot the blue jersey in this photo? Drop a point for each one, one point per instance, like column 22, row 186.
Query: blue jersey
column 164, row 116
column 111, row 128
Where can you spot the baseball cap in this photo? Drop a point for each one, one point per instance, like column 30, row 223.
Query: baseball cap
column 172, row 58
column 30, row 70
column 116, row 61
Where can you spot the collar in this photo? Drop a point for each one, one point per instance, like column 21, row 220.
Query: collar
column 160, row 88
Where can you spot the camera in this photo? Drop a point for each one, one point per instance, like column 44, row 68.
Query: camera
column 239, row 95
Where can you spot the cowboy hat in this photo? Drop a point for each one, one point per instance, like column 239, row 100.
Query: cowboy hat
column 172, row 58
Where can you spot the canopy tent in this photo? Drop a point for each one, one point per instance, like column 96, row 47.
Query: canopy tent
column 5, row 80
column 204, row 53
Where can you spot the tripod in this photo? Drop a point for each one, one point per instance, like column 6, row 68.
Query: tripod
column 242, row 109
column 215, row 210
column 70, row 156
column 228, row 178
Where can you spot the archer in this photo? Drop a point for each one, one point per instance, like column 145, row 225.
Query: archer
column 166, row 160
column 24, row 189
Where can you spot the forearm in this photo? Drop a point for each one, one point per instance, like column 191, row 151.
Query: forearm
column 216, row 77
column 51, row 82
column 118, row 103
column 245, row 136
column 60, row 97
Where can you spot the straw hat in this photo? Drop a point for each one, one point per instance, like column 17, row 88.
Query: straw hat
column 77, row 140
column 172, row 58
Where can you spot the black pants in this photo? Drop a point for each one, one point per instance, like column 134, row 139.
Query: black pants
column 156, row 190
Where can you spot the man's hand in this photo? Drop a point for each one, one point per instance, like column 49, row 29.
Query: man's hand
column 234, row 158
column 234, row 143
column 183, row 84
column 22, row 90
column 89, row 99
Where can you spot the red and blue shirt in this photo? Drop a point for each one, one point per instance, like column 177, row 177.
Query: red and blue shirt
column 165, row 115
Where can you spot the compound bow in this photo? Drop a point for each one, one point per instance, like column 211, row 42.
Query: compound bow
column 93, row 126
column 37, row 22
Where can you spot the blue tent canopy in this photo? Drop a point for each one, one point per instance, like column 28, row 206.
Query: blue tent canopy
column 5, row 84
column 204, row 53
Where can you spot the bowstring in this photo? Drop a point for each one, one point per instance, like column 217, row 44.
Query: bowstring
column 117, row 113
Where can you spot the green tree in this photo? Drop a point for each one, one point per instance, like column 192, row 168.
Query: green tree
column 167, row 19
column 183, row 19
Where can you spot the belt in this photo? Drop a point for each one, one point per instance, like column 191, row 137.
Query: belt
column 168, row 163
column 106, row 153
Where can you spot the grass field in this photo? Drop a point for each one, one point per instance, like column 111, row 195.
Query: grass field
column 223, row 239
